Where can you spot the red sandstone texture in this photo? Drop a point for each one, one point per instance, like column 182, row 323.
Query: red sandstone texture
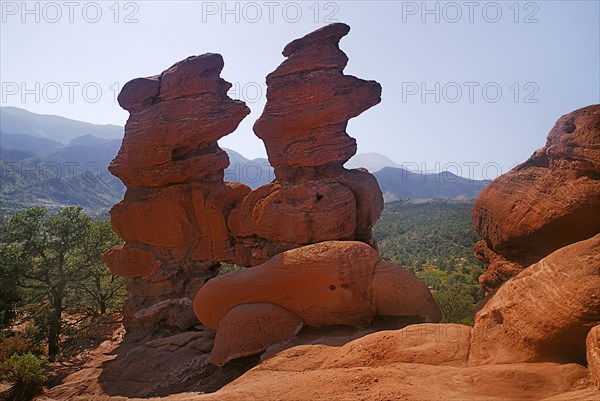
column 421, row 362
column 309, row 103
column 179, row 219
column 303, row 126
column 545, row 312
column 173, row 217
column 593, row 354
column 539, row 223
column 329, row 283
column 550, row 201
column 314, row 200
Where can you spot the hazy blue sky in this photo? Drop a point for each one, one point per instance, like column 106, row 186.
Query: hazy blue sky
column 440, row 64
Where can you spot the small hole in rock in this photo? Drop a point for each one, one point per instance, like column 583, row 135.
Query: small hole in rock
column 569, row 127
column 332, row 287
column 497, row 316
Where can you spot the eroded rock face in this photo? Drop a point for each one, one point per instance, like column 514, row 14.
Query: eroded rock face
column 593, row 354
column 550, row 201
column 176, row 205
column 175, row 121
column 249, row 329
column 329, row 283
column 544, row 313
column 309, row 103
column 178, row 217
column 303, row 126
column 313, row 200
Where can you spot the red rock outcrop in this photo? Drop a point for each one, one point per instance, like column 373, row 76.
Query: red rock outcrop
column 329, row 283
column 175, row 121
column 545, row 312
column 550, row 201
column 303, row 126
column 175, row 208
column 248, row 329
column 420, row 362
column 593, row 354
column 309, row 103
column 179, row 219
column 314, row 199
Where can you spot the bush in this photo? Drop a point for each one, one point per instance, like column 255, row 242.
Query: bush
column 27, row 372
column 228, row 268
column 456, row 303
column 20, row 342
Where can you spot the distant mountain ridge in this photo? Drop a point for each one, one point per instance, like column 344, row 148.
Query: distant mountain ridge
column 14, row 120
column 401, row 184
column 41, row 166
column 61, row 175
column 38, row 145
column 371, row 161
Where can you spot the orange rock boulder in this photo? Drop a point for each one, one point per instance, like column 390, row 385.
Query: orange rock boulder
column 545, row 312
column 550, row 201
column 593, row 354
column 175, row 121
column 309, row 103
column 329, row 283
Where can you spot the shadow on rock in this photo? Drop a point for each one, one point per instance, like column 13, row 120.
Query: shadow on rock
column 168, row 365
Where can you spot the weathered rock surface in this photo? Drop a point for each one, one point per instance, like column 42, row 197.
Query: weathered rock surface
column 397, row 292
column 131, row 261
column 593, row 354
column 174, row 124
column 179, row 218
column 313, row 212
column 309, row 102
column 430, row 344
column 329, row 283
column 325, row 283
column 545, row 312
column 550, row 201
column 420, row 362
column 118, row 370
column 303, row 126
column 251, row 328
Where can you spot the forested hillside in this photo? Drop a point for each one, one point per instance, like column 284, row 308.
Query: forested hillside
column 434, row 239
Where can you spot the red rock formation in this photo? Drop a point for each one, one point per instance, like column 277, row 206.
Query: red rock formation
column 309, row 103
column 550, row 201
column 593, row 354
column 324, row 283
column 419, row 362
column 397, row 292
column 131, row 261
column 179, row 219
column 313, row 199
column 178, row 216
column 249, row 329
column 175, row 121
column 303, row 126
column 174, row 214
column 329, row 283
column 545, row 312
column 313, row 212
